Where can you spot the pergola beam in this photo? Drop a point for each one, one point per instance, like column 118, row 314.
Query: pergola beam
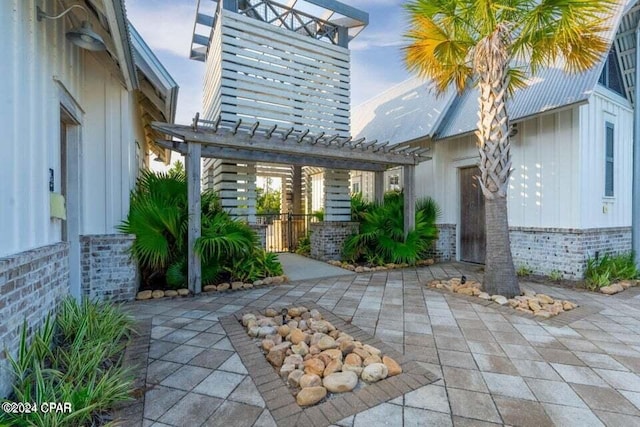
column 233, row 138
column 258, row 156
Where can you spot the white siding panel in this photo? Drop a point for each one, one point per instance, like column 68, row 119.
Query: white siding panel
column 34, row 53
column 596, row 210
column 543, row 188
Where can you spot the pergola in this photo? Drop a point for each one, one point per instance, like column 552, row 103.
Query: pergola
column 253, row 142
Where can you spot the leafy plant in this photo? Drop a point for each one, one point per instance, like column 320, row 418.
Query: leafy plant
column 304, row 245
column 381, row 236
column 268, row 203
column 158, row 217
column 74, row 359
column 555, row 275
column 610, row 268
column 524, row 271
column 319, row 215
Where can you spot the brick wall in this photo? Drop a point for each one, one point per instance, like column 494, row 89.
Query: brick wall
column 444, row 248
column 544, row 250
column 327, row 238
column 108, row 270
column 32, row 284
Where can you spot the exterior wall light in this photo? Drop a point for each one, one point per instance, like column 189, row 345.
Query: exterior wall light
column 82, row 36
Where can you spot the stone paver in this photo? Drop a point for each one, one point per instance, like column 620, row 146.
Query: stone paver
column 496, row 367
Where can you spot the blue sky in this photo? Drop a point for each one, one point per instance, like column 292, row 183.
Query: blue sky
column 376, row 62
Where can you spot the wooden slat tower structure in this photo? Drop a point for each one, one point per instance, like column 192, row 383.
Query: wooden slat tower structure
column 284, row 64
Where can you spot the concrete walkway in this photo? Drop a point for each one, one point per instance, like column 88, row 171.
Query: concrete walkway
column 298, row 267
column 496, row 367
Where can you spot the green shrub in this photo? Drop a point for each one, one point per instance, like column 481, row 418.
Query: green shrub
column 304, row 245
column 524, row 271
column 610, row 268
column 158, row 217
column 75, row 359
column 555, row 275
column 381, row 236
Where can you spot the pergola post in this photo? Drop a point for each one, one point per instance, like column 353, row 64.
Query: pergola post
column 378, row 184
column 192, row 165
column 409, row 198
column 296, row 186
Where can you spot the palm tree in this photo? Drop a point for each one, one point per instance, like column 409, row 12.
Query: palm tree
column 495, row 45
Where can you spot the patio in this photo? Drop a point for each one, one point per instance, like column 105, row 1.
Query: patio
column 494, row 366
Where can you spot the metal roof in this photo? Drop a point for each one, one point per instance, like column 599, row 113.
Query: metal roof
column 405, row 112
column 399, row 118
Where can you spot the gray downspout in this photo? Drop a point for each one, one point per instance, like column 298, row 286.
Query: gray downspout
column 635, row 201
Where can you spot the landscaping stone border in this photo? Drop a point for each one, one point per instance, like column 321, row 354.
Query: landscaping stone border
column 282, row 403
column 562, row 319
column 136, row 356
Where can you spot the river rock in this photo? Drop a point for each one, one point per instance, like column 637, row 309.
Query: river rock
column 267, row 344
column 327, row 343
column 314, row 366
column 293, row 311
column 311, row 395
column 534, row 305
column 484, row 295
column 236, row 285
column 294, row 378
column 361, row 352
column 270, row 312
column 276, row 356
column 373, row 350
column 157, row 294
column 374, row 372
column 545, row 299
column 267, row 330
column 286, row 369
column 568, row 305
column 334, row 354
column 346, row 346
column 499, row 299
column 302, row 325
column 223, row 287
column 340, row 382
column 393, row 367
column 284, row 330
column 144, row 295
column 302, row 349
column 353, row 359
column 333, row 367
column 297, row 336
column 352, row 368
column 294, row 359
column 371, row 360
column 612, row 289
column 310, row 380
column 183, row 292
column 171, row 293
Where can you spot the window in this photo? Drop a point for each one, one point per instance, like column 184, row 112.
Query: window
column 611, row 77
column 608, row 169
column 394, row 182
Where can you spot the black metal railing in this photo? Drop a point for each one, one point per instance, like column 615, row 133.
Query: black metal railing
column 284, row 230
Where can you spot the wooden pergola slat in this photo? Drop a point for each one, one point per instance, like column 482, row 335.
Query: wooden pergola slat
column 252, row 142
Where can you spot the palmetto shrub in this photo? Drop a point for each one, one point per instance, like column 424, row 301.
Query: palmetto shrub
column 605, row 270
column 158, row 217
column 380, row 238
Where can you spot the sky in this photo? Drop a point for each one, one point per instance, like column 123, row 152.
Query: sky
column 376, row 55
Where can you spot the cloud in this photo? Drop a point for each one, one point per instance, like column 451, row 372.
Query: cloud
column 165, row 26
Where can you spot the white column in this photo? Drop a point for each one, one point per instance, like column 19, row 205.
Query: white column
column 337, row 197
column 236, row 186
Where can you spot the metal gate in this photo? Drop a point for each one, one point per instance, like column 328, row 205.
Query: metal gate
column 284, row 230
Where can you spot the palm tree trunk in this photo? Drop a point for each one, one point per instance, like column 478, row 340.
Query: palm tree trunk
column 491, row 62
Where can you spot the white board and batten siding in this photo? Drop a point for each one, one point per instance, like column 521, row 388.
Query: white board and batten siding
column 39, row 64
column 542, row 189
column 597, row 210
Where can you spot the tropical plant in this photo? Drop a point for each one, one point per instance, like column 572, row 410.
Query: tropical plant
column 495, row 45
column 555, row 275
column 268, row 203
column 610, row 268
column 524, row 271
column 304, row 245
column 381, row 237
column 74, row 359
column 158, row 217
column 359, row 206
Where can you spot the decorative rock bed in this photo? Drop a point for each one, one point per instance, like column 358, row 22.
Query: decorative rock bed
column 367, row 269
column 619, row 287
column 529, row 302
column 313, row 357
column 233, row 286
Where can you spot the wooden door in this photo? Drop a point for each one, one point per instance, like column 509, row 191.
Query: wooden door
column 472, row 232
